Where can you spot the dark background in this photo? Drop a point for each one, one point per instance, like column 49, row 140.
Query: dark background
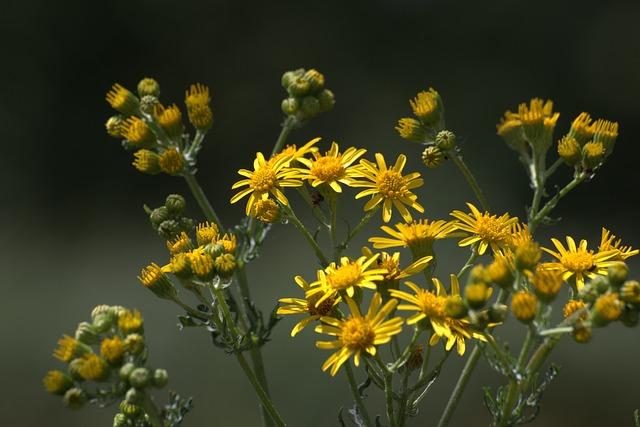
column 74, row 234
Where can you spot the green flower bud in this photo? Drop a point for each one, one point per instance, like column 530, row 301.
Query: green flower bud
column 87, row 333
column 169, row 228
column 100, row 309
column 315, row 79
column 74, row 398
column 630, row 317
column 310, row 107
column 498, row 313
column 432, row 157
column 149, row 104
column 445, row 140
column 582, row 333
column 291, row 76
column 126, row 370
column 630, row 292
column 617, row 274
column 479, row 319
column 600, row 284
column 290, row 106
column 120, row 420
column 175, row 204
column 299, row 87
column 134, row 396
column 454, row 307
column 140, row 377
column 134, row 343
column 74, row 369
column 129, row 409
column 114, row 126
column 102, row 322
column 148, row 86
column 159, row 215
column 327, row 100
column 160, row 378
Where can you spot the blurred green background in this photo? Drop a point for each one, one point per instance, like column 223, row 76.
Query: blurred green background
column 75, row 234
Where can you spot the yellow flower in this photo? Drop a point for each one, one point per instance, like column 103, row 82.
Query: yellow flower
column 130, row 321
column 345, row 277
column 170, row 119
column 265, row 179
column 578, row 262
column 486, row 230
column 137, row 133
column 605, row 132
column 112, row 349
column 546, row 284
column 266, row 211
column 426, row 105
column 57, row 382
column 201, row 263
column 307, row 306
column 581, row 128
column 93, row 368
column 228, row 241
column 197, row 100
column 536, row 116
column 391, row 263
column 607, row 308
column 411, row 129
column 333, row 168
column 524, row 306
column 153, row 278
column 389, row 187
column 609, row 242
column 431, row 306
column 572, row 306
column 122, row 100
column 358, row 335
column 69, row 348
column 182, row 243
column 418, row 236
column 293, row 153
column 146, row 161
column 510, row 129
column 171, row 161
column 205, row 233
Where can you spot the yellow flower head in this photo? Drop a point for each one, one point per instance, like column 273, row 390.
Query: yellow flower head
column 501, row 270
column 418, row 236
column 426, row 105
column 265, row 179
column 201, row 263
column 266, row 211
column 93, row 368
column 170, row 119
column 546, row 284
column 122, row 100
column 137, row 133
column 307, row 306
column 225, row 265
column 197, row 96
column 57, row 382
column 572, row 306
column 485, row 229
column 182, row 243
column 389, row 187
column 411, row 129
column 130, row 321
column 605, row 132
column 510, row 129
column 581, row 129
column 609, row 242
column 153, row 278
column 533, row 116
column 346, row 276
column 69, row 348
column 112, row 349
column 431, row 306
column 577, row 262
column 607, row 308
column 205, row 233
column 391, row 263
column 293, row 153
column 228, row 241
column 569, row 150
column 358, row 335
column 171, row 161
column 593, row 154
column 524, row 306
column 146, row 161
column 333, row 168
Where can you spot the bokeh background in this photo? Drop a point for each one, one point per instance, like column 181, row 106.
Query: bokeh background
column 74, row 233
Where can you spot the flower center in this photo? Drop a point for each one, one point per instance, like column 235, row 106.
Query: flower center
column 491, row 229
column 392, row 267
column 323, row 309
column 431, row 304
column 577, row 261
column 327, row 168
column 345, row 276
column 357, row 333
column 264, row 179
column 392, row 185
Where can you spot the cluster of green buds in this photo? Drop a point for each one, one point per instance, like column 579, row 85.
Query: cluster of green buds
column 169, row 220
column 588, row 143
column 106, row 362
column 155, row 132
column 427, row 127
column 307, row 95
column 473, row 303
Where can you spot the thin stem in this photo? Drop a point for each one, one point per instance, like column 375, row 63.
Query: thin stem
column 288, row 125
column 388, row 392
column 356, row 395
column 469, row 263
column 202, row 200
column 152, row 412
column 550, row 171
column 364, row 221
column 333, row 204
column 402, row 405
column 556, row 331
column 548, row 207
column 406, row 353
column 471, row 180
column 305, row 233
column 465, row 375
column 526, row 347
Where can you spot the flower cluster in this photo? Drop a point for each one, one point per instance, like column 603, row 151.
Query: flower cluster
column 106, row 362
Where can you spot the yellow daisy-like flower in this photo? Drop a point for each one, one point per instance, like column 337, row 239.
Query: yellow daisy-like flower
column 609, row 242
column 307, row 306
column 293, row 153
column 130, row 321
column 69, row 348
column 485, row 229
column 391, row 263
column 93, row 368
column 358, row 335
column 333, row 168
column 389, row 187
column 112, row 349
column 578, row 262
column 431, row 306
column 265, row 179
column 345, row 277
column 418, row 236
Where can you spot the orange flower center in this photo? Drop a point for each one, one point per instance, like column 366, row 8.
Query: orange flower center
column 327, row 168
column 357, row 333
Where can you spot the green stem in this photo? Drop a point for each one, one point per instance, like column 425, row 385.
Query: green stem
column 548, row 207
column 469, row 263
column 402, row 405
column 550, row 171
column 388, row 392
column 260, row 391
column 305, row 233
column 152, row 411
column 333, row 204
column 471, row 180
column 202, row 200
column 288, row 125
column 364, row 221
column 406, row 353
column 356, row 395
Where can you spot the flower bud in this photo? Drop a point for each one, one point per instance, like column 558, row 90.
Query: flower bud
column 572, row 306
column 479, row 319
column 569, row 150
column 427, row 106
column 291, row 76
column 57, row 382
column 201, row 264
column 170, row 119
column 510, row 130
column 130, row 321
column 74, row 398
column 201, row 117
column 581, row 129
column 69, row 348
column 446, row 140
column 546, row 284
column 524, row 306
column 158, row 215
column 582, row 333
column 617, row 274
column 299, row 87
column 134, row 396
column 140, row 377
column 630, row 292
column 266, row 211
column 500, row 273
column 290, row 106
column 454, row 307
column 599, row 284
column 229, row 243
column 310, row 107
column 147, row 161
column 171, row 161
column 126, row 370
column 225, row 265
column 122, row 100
column 411, row 129
column 93, row 368
column 114, row 126
column 630, row 317
column 205, row 233
column 129, row 409
column 607, row 308
column 327, row 100
column 592, row 154
column 148, row 86
column 498, row 313
column 137, row 133
column 74, row 369
column 160, row 378
column 432, row 157
column 527, row 255
column 476, row 294
column 149, row 104
column 134, row 343
column 315, row 79
column 606, row 133
column 87, row 333
column 120, row 420
column 153, row 278
column 112, row 349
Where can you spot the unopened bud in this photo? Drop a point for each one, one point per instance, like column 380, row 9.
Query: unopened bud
column 148, row 86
